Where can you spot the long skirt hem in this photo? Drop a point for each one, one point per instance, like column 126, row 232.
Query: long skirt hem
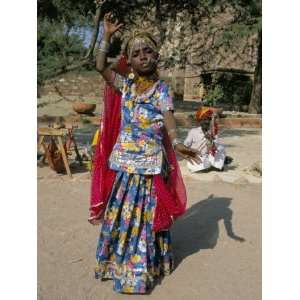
column 123, row 278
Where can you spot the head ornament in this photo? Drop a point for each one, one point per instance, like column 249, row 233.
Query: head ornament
column 138, row 38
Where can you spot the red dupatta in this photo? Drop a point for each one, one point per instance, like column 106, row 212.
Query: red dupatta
column 171, row 195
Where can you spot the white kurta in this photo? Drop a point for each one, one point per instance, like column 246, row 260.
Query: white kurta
column 197, row 140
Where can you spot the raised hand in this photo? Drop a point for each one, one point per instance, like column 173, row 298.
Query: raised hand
column 111, row 26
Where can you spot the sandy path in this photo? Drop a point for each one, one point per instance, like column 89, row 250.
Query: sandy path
column 211, row 264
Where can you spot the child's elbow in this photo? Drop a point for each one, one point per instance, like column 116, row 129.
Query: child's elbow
column 100, row 68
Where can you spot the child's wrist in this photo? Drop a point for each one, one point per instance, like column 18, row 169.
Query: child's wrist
column 172, row 130
column 107, row 36
column 175, row 142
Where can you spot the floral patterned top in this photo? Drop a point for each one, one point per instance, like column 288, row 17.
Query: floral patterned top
column 139, row 145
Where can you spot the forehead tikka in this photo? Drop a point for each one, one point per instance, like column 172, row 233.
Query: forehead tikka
column 139, row 42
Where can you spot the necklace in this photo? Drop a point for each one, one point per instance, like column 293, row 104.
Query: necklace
column 145, row 83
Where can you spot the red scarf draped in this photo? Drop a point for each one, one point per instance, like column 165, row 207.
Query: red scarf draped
column 171, row 195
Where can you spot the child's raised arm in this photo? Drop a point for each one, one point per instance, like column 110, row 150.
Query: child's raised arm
column 101, row 58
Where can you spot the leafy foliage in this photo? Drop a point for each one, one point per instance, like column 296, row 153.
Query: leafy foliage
column 57, row 48
column 57, row 43
column 214, row 95
column 234, row 32
column 71, row 12
column 232, row 91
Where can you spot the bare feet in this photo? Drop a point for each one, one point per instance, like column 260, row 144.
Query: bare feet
column 95, row 221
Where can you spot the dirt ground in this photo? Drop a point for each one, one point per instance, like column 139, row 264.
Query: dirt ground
column 217, row 243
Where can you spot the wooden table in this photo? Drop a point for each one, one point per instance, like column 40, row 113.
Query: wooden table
column 59, row 134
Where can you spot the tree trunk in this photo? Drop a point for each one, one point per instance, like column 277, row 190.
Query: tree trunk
column 95, row 32
column 255, row 105
column 158, row 20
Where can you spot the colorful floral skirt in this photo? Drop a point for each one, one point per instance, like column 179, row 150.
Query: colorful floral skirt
column 129, row 252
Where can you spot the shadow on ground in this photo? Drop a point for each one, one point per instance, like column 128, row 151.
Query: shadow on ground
column 199, row 227
column 75, row 167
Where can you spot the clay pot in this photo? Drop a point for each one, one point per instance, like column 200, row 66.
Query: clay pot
column 83, row 108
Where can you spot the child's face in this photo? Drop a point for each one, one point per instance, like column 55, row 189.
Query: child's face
column 143, row 59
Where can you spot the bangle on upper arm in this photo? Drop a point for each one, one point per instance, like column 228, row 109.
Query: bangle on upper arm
column 102, row 50
column 104, row 46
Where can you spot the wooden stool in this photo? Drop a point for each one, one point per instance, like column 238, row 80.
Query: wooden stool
column 59, row 134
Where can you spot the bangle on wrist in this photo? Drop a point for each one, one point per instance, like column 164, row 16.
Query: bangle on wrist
column 175, row 142
column 171, row 130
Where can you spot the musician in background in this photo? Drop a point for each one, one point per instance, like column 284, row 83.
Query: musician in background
column 204, row 138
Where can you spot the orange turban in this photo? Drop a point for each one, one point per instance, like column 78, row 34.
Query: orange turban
column 203, row 113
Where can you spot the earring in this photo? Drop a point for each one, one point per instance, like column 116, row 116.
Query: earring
column 131, row 75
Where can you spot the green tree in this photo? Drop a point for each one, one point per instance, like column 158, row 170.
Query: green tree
column 59, row 49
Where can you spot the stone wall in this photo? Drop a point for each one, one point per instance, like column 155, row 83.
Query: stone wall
column 193, row 42
column 87, row 84
column 57, row 95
